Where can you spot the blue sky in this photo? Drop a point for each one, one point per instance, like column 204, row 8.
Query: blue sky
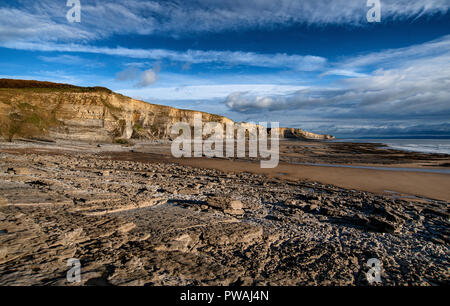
column 317, row 65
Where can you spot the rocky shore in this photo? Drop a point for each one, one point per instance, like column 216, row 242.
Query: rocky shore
column 159, row 223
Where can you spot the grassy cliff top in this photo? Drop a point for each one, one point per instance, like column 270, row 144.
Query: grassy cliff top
column 41, row 85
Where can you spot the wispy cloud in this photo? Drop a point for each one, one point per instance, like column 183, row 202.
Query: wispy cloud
column 343, row 72
column 207, row 92
column 66, row 59
column 295, row 62
column 21, row 26
column 394, row 57
column 39, row 19
column 41, row 26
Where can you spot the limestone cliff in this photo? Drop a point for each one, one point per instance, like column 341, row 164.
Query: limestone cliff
column 60, row 111
column 301, row 134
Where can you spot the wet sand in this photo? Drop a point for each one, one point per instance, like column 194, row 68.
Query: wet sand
column 426, row 185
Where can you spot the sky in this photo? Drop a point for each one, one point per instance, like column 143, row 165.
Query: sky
column 319, row 65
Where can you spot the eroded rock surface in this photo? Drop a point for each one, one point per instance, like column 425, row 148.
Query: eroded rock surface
column 133, row 223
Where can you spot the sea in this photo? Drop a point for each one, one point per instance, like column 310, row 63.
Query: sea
column 441, row 146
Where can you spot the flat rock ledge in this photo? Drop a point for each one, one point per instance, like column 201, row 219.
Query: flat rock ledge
column 228, row 206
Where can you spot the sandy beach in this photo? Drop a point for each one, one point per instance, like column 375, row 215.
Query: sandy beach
column 422, row 185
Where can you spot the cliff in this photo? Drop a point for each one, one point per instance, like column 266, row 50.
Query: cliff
column 301, row 134
column 34, row 109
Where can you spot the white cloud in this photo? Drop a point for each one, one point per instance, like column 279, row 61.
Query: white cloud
column 400, row 57
column 145, row 78
column 278, row 60
column 343, row 72
column 393, row 57
column 148, row 77
column 206, row 92
column 66, row 59
column 19, row 25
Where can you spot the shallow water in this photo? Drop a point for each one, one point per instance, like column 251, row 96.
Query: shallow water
column 444, row 171
column 441, row 146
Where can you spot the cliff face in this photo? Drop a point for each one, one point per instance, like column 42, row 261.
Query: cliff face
column 301, row 134
column 59, row 111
